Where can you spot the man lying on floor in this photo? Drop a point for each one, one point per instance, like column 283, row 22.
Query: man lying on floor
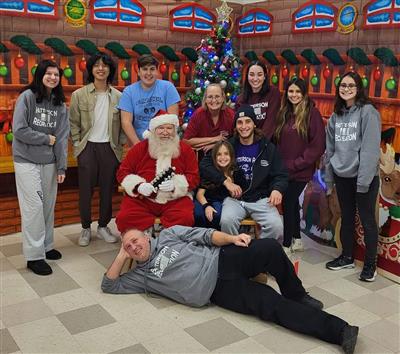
column 195, row 266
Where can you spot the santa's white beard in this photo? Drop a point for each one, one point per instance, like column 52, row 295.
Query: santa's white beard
column 161, row 149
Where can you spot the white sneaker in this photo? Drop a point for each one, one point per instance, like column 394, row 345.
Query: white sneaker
column 297, row 245
column 105, row 234
column 287, row 250
column 84, row 239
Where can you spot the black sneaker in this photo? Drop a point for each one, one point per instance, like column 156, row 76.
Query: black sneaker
column 342, row 262
column 53, row 254
column 39, row 267
column 349, row 338
column 310, row 301
column 368, row 273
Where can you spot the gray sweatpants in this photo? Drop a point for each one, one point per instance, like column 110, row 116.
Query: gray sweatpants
column 37, row 192
column 265, row 214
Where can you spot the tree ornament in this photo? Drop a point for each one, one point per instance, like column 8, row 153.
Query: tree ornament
column 163, row 68
column 184, row 126
column 52, row 57
column 33, row 69
column 3, row 70
column 228, row 94
column 216, row 58
column 9, row 137
column 124, row 74
column 314, row 80
column 19, row 62
column 222, row 68
column 285, row 71
column 377, row 74
column 206, row 83
column 82, row 64
column 274, row 78
column 326, row 72
column 223, row 83
column 305, row 72
column 186, row 69
column 198, row 91
column 67, row 72
column 175, row 76
column 365, row 82
column 390, row 84
column 336, row 81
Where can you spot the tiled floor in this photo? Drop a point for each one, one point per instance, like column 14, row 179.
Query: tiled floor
column 67, row 312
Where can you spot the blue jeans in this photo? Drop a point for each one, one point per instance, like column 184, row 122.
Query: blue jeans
column 200, row 219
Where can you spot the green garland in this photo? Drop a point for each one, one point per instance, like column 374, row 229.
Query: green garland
column 87, row 46
column 251, row 55
column 59, row 46
column 26, row 44
column 168, row 53
column 141, row 49
column 3, row 48
column 359, row 56
column 333, row 56
column 310, row 56
column 386, row 56
column 271, row 57
column 118, row 50
column 190, row 53
column 290, row 57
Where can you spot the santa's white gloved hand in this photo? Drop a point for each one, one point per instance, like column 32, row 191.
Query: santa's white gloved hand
column 167, row 186
column 146, row 189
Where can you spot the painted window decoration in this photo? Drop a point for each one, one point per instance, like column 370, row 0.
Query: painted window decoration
column 382, row 14
column 32, row 8
column 117, row 12
column 191, row 17
column 255, row 22
column 314, row 16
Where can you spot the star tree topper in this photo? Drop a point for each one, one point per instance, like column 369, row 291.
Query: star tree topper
column 224, row 12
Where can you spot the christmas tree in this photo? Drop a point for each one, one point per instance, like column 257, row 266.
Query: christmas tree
column 216, row 63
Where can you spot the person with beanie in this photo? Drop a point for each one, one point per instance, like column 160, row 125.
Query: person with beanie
column 158, row 175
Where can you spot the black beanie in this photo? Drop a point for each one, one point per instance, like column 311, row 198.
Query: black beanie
column 245, row 111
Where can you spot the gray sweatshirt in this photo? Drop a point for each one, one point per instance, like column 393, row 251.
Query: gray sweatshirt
column 32, row 124
column 183, row 266
column 353, row 146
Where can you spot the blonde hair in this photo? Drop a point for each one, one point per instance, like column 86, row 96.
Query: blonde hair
column 203, row 102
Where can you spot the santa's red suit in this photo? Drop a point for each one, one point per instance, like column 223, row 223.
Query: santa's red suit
column 173, row 208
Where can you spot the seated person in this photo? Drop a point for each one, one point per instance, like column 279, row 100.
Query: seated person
column 211, row 122
column 209, row 197
column 266, row 177
column 195, row 266
column 171, row 200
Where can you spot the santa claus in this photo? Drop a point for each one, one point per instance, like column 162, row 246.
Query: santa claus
column 171, row 200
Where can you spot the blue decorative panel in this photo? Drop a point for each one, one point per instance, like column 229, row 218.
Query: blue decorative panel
column 118, row 12
column 255, row 22
column 381, row 14
column 191, row 17
column 37, row 8
column 314, row 16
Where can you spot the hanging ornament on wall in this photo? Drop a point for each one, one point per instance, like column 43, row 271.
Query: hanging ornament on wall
column 314, row 80
column 124, row 74
column 163, row 68
column 3, row 70
column 365, row 81
column 33, row 69
column 294, row 77
column 67, row 72
column 82, row 64
column 390, row 84
column 285, row 71
column 175, row 76
column 377, row 74
column 337, row 79
column 274, row 78
column 305, row 72
column 52, row 57
column 186, row 69
column 9, row 137
column 19, row 62
column 326, row 72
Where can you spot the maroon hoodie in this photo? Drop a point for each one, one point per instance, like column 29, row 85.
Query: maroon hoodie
column 266, row 109
column 299, row 155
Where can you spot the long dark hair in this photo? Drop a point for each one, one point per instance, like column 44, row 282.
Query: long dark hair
column 301, row 112
column 247, row 90
column 38, row 88
column 106, row 59
column 228, row 170
column 361, row 98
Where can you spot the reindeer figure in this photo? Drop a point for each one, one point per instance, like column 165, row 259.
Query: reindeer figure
column 390, row 177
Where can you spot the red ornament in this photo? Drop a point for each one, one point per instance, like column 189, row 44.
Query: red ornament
column 186, row 69
column 305, row 72
column 377, row 74
column 82, row 64
column 19, row 61
column 326, row 72
column 285, row 71
column 163, row 68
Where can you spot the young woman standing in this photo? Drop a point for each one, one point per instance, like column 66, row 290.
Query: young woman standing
column 352, row 163
column 300, row 137
column 41, row 129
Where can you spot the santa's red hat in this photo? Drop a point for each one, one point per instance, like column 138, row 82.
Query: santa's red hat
column 161, row 118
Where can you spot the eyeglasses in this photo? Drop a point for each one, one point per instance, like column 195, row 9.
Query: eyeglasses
column 211, row 98
column 350, row 87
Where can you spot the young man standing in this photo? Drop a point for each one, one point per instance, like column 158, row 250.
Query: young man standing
column 142, row 100
column 266, row 176
column 97, row 138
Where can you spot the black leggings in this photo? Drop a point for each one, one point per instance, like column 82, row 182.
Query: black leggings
column 234, row 290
